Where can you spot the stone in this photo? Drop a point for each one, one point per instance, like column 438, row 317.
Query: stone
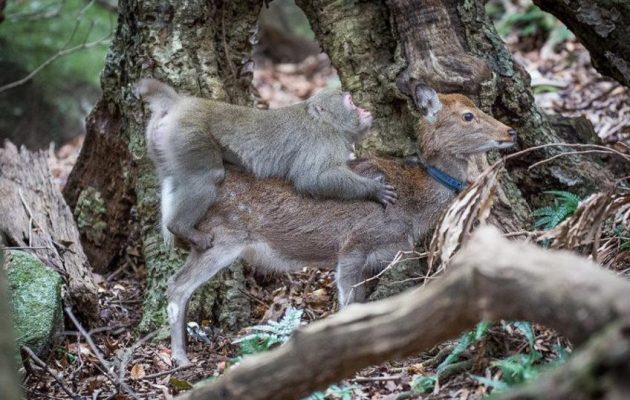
column 35, row 296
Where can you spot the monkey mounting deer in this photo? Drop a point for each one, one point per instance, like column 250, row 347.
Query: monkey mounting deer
column 269, row 225
column 308, row 144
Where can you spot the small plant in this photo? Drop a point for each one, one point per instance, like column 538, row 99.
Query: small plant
column 565, row 204
column 530, row 21
column 624, row 237
column 522, row 367
column 267, row 336
column 425, row 383
column 344, row 392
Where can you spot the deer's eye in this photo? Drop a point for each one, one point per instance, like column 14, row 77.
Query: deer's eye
column 468, row 116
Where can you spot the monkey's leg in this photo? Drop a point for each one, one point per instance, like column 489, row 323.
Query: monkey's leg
column 191, row 199
column 198, row 269
column 349, row 274
column 343, row 183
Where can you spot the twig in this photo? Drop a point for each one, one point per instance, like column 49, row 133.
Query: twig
column 108, row 328
column 546, row 160
column 397, row 259
column 53, row 58
column 251, row 296
column 38, row 361
column 128, row 353
column 170, row 371
column 360, row 379
column 107, row 372
column 88, row 338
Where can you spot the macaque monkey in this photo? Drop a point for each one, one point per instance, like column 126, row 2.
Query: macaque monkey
column 270, row 226
column 308, row 144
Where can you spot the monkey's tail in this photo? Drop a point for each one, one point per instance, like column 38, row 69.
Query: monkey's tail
column 159, row 95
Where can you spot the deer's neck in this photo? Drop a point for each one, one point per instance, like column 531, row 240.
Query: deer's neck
column 455, row 167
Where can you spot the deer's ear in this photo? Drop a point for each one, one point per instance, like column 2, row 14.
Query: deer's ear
column 426, row 99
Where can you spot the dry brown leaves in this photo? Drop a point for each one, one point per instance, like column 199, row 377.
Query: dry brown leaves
column 566, row 83
column 471, row 207
column 583, row 230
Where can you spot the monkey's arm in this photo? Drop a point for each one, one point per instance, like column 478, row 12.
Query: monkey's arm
column 342, row 183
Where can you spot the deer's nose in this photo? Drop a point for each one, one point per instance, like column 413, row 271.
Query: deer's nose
column 512, row 133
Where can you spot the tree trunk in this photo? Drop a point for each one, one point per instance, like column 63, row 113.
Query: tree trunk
column 381, row 50
column 603, row 27
column 202, row 48
column 8, row 369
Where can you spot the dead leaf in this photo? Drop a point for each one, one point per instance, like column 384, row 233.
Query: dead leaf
column 137, row 372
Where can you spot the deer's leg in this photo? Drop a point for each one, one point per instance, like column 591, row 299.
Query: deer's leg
column 350, row 269
column 197, row 270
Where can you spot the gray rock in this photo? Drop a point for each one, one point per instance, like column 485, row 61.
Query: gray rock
column 35, row 293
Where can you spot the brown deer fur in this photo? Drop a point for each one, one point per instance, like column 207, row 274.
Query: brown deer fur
column 269, row 225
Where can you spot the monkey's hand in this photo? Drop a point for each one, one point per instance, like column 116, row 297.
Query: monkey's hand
column 386, row 194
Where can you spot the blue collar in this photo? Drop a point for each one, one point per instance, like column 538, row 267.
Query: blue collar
column 440, row 176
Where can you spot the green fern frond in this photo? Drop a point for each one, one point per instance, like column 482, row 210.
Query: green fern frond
column 543, row 211
column 565, row 204
column 572, row 198
column 542, row 222
column 264, row 337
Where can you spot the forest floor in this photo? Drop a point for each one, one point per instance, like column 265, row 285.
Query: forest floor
column 564, row 82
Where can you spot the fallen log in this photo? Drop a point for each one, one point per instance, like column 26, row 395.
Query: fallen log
column 491, row 278
column 34, row 216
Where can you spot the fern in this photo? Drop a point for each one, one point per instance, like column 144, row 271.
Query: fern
column 425, row 383
column 265, row 337
column 522, row 367
column 565, row 204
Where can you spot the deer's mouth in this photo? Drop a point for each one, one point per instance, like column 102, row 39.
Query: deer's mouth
column 504, row 144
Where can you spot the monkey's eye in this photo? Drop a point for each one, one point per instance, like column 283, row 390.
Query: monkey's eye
column 468, row 116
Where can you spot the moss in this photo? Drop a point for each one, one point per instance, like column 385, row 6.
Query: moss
column 35, row 300
column 90, row 214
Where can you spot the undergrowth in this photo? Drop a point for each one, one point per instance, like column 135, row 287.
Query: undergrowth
column 267, row 336
column 514, row 369
column 564, row 205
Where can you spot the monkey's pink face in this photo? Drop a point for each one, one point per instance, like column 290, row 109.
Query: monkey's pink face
column 365, row 117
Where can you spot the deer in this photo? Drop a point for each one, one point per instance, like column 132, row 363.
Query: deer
column 267, row 224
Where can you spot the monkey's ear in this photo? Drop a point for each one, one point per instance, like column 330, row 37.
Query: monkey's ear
column 427, row 100
column 314, row 110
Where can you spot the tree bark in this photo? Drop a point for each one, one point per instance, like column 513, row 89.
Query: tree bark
column 201, row 47
column 603, row 27
column 8, row 369
column 34, row 214
column 484, row 281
